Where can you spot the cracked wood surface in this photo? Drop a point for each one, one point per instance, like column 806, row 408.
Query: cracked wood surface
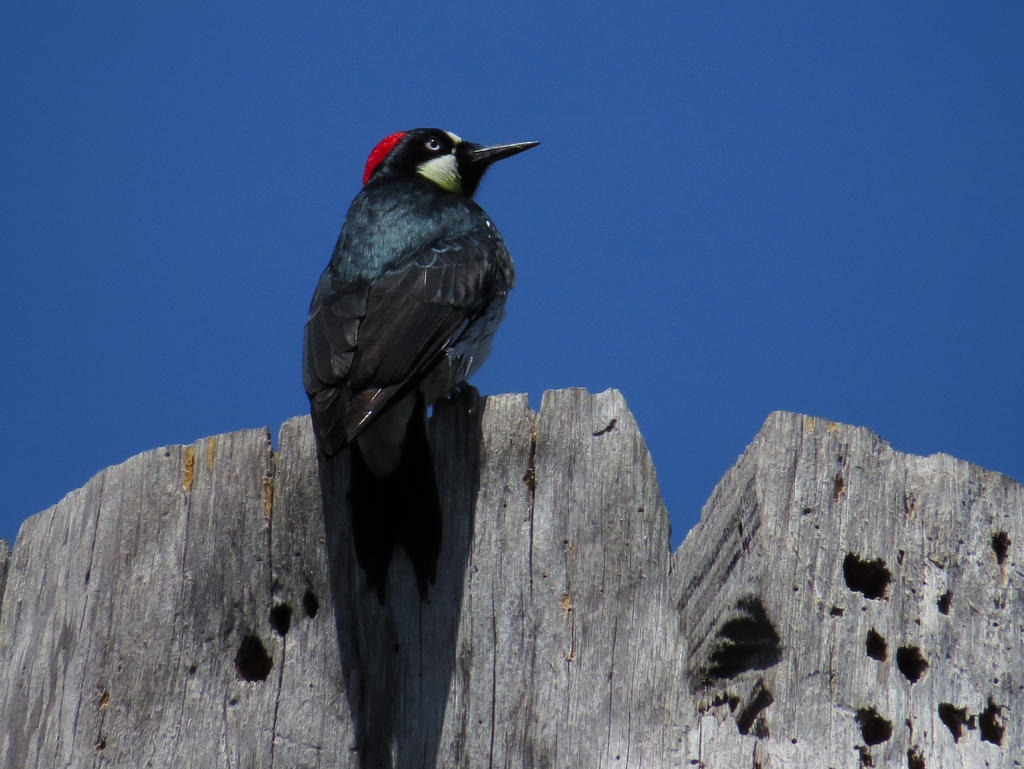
column 839, row 604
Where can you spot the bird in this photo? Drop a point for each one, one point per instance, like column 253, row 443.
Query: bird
column 402, row 315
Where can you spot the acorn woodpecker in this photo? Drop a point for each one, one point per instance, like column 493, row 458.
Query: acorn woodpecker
column 404, row 312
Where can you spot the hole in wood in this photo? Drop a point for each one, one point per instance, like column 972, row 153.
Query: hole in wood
column 747, row 641
column 876, row 646
column 910, row 662
column 944, row 602
column 310, row 604
column 281, row 618
column 914, row 758
column 726, row 698
column 873, row 728
column 1000, row 546
column 991, row 724
column 252, row 661
column 871, row 578
column 955, row 719
column 750, row 715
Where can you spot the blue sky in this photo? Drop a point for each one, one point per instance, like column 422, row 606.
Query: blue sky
column 736, row 208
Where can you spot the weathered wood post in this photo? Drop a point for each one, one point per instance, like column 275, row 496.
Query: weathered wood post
column 839, row 604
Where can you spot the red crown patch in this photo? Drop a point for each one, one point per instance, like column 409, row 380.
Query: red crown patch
column 378, row 153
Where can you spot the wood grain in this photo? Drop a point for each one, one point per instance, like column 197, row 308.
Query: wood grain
column 839, row 604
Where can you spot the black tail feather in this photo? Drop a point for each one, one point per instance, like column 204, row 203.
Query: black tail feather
column 400, row 509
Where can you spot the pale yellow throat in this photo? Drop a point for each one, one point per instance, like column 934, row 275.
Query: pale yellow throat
column 442, row 171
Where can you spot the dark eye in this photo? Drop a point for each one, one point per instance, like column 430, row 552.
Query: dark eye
column 433, row 144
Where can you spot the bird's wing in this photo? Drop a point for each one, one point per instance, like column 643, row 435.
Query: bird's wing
column 368, row 342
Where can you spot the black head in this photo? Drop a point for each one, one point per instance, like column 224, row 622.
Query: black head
column 441, row 157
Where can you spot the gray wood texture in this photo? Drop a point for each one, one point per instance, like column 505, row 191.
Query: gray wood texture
column 840, row 604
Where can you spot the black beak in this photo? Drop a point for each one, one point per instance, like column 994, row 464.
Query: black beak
column 484, row 156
